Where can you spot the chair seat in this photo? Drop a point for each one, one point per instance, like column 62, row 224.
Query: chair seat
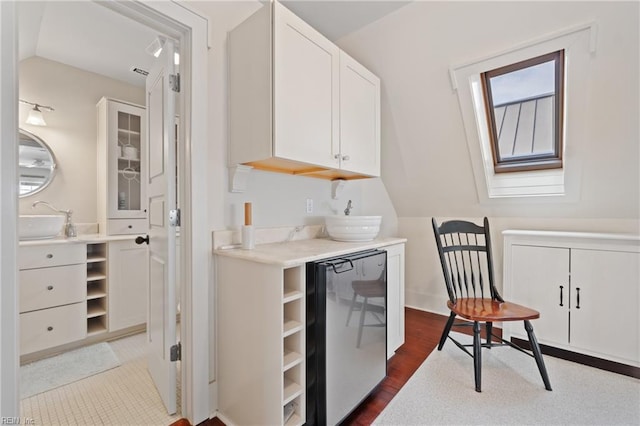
column 491, row 310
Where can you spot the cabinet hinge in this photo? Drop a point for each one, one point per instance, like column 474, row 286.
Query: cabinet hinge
column 174, row 82
column 176, row 352
column 174, row 217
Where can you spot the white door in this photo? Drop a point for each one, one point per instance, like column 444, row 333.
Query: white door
column 359, row 118
column 161, row 193
column 540, row 281
column 604, row 303
column 305, row 92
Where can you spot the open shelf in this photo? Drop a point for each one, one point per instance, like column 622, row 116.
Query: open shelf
column 291, row 359
column 96, row 288
column 291, row 390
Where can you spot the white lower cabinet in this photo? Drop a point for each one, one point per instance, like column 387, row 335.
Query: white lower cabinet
column 52, row 290
column 395, row 298
column 51, row 327
column 586, row 287
column 128, row 273
column 74, row 290
column 261, row 342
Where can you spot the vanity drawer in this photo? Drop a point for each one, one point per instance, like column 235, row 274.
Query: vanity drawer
column 127, row 226
column 45, row 288
column 52, row 327
column 30, row 257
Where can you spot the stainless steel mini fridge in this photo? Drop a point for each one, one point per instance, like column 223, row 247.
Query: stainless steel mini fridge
column 346, row 333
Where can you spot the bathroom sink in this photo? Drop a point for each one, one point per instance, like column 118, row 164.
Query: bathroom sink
column 40, row 227
column 353, row 228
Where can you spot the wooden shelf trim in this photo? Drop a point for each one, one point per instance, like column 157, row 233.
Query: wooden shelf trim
column 291, row 295
column 291, row 326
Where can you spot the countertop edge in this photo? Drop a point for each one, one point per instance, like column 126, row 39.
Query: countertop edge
column 295, row 253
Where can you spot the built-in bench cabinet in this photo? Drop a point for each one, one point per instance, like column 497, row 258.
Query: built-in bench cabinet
column 261, row 339
column 585, row 286
column 75, row 292
column 313, row 109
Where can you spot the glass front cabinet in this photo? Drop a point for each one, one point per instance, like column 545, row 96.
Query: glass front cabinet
column 121, row 165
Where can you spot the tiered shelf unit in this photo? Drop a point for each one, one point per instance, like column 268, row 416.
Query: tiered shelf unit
column 261, row 342
column 293, row 340
column 96, row 288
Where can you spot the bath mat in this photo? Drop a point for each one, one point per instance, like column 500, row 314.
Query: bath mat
column 50, row 373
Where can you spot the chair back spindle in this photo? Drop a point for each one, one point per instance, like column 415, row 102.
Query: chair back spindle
column 465, row 256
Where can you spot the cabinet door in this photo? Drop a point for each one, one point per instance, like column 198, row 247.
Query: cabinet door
column 306, row 74
column 395, row 298
column 606, row 321
column 128, row 277
column 537, row 275
column 126, row 145
column 359, row 118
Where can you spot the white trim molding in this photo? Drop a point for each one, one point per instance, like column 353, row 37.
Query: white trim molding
column 555, row 185
column 9, row 343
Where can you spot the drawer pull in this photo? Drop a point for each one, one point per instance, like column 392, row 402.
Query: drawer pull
column 49, row 328
column 49, row 256
column 49, row 287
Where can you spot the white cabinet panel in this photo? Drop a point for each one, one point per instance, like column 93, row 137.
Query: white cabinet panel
column 541, row 282
column 395, row 298
column 128, row 280
column 52, row 327
column 605, row 318
column 42, row 256
column 54, row 286
column 359, row 118
column 305, row 92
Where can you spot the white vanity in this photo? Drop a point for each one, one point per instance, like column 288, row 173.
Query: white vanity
column 79, row 290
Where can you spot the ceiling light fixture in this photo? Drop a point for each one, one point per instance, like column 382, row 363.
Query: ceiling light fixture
column 35, row 116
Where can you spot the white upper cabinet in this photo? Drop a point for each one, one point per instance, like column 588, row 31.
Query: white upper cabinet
column 297, row 104
column 359, row 118
column 306, row 92
column 120, row 167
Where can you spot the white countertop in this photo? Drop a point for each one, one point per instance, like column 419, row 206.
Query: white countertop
column 80, row 239
column 295, row 253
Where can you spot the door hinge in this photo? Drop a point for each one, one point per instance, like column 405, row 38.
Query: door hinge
column 174, row 217
column 174, row 82
column 176, row 352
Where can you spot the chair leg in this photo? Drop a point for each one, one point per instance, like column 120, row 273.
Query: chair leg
column 477, row 355
column 535, row 348
column 489, row 329
column 446, row 330
column 353, row 304
column 363, row 311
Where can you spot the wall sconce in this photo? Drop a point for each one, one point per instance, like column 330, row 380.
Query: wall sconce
column 35, row 116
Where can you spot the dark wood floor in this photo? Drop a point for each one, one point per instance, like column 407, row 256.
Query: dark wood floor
column 422, row 332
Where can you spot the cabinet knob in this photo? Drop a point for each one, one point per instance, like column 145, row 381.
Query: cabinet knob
column 49, row 328
column 345, row 158
column 337, row 156
column 49, row 256
column 49, row 287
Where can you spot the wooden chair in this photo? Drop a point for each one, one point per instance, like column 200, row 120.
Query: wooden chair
column 467, row 265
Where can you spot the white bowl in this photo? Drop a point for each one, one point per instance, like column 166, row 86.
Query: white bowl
column 40, row 226
column 353, row 228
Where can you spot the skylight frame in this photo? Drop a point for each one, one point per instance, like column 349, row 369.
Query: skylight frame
column 534, row 161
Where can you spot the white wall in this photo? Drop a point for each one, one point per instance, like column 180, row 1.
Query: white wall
column 70, row 131
column 425, row 162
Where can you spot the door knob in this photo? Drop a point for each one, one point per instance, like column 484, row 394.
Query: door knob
column 140, row 240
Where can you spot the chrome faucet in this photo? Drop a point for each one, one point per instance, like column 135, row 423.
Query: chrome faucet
column 69, row 228
column 347, row 211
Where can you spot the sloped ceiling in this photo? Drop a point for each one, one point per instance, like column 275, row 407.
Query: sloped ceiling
column 89, row 36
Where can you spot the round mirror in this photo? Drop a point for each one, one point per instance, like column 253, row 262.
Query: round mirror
column 36, row 164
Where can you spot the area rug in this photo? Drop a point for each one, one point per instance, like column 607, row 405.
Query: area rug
column 441, row 392
column 59, row 370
